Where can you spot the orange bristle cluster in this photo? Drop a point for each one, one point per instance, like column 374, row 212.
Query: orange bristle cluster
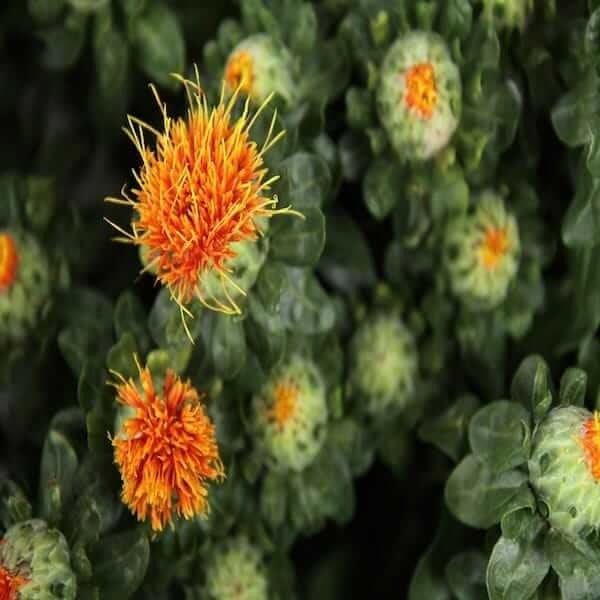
column 200, row 190
column 239, row 72
column 495, row 245
column 421, row 90
column 10, row 584
column 284, row 406
column 166, row 451
column 590, row 439
column 9, row 261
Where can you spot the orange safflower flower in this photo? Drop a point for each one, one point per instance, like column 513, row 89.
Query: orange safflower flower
column 201, row 189
column 10, row 584
column 8, row 261
column 421, row 90
column 166, row 450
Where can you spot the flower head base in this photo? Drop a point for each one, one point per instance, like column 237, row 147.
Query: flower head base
column 24, row 284
column 237, row 572
column 290, row 413
column 383, row 364
column 482, row 251
column 201, row 197
column 508, row 14
column 165, row 449
column 8, row 261
column 564, row 469
column 421, row 92
column 35, row 563
column 419, row 95
column 258, row 67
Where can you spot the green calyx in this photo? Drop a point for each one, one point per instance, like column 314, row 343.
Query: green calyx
column 419, row 95
column 41, row 555
column 236, row 572
column 22, row 301
column 482, row 252
column 266, row 65
column 290, row 415
column 561, row 475
column 383, row 363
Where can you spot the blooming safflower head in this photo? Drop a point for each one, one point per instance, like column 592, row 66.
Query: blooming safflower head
column 419, row 95
column 565, row 469
column 508, row 14
column 201, row 195
column 383, row 364
column 24, row 284
column 290, row 414
column 482, row 251
column 258, row 67
column 236, row 572
column 165, row 449
column 35, row 563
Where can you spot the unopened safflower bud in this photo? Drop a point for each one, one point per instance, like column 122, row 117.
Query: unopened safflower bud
column 383, row 364
column 482, row 251
column 259, row 66
column 24, row 284
column 419, row 95
column 564, row 469
column 236, row 572
column 35, row 563
column 290, row 415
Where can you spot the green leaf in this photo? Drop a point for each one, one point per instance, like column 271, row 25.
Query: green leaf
column 265, row 331
column 273, row 498
column 305, row 181
column 14, row 505
column 45, row 11
column 158, row 41
column 573, row 384
column 87, row 5
column 581, row 225
column 448, row 431
column 499, row 435
column 228, row 345
column 120, row 562
column 456, row 19
column 57, row 472
column 579, row 575
column 299, row 241
column 516, row 569
column 532, row 386
column 477, row 496
column 354, row 442
column 63, row 43
column 381, row 187
column 121, row 357
column 465, row 574
column 130, row 316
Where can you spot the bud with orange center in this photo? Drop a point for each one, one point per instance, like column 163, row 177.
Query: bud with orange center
column 564, row 469
column 202, row 200
column 482, row 252
column 259, row 66
column 165, row 448
column 290, row 415
column 419, row 95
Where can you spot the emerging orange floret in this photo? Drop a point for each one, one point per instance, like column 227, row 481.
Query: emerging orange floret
column 9, row 261
column 166, row 451
column 10, row 584
column 590, row 439
column 421, row 90
column 284, row 405
column 494, row 247
column 239, row 72
column 200, row 189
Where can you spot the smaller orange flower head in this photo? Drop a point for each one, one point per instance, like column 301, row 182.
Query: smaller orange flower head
column 284, row 405
column 8, row 261
column 10, row 584
column 494, row 247
column 166, row 450
column 239, row 72
column 421, row 90
column 201, row 189
column 590, row 440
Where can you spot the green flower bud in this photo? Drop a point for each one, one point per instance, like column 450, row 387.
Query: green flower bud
column 419, row 95
column 37, row 560
column 236, row 572
column 481, row 253
column 258, row 66
column 383, row 364
column 508, row 14
column 24, row 284
column 290, row 413
column 565, row 469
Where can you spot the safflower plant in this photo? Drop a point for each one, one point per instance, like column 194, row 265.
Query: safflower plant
column 299, row 299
